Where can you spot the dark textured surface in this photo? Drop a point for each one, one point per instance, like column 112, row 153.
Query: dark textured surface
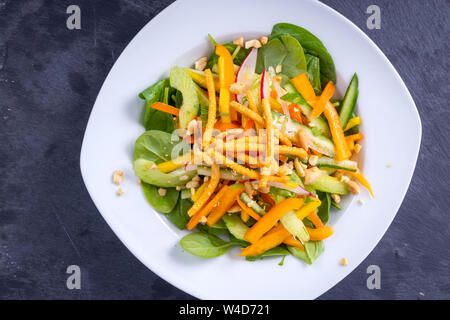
column 49, row 78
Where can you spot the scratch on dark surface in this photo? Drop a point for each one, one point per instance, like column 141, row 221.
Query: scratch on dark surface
column 3, row 55
column 65, row 231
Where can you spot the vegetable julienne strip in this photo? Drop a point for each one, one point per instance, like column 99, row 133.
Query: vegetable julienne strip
column 253, row 105
column 315, row 219
column 225, row 203
column 176, row 163
column 208, row 191
column 271, row 218
column 220, row 158
column 269, row 160
column 320, row 233
column 337, row 133
column 302, row 84
column 199, row 192
column 226, row 78
column 353, row 122
column 267, row 242
column 206, row 210
column 361, row 179
column 248, row 210
column 211, row 110
column 324, row 98
column 166, row 108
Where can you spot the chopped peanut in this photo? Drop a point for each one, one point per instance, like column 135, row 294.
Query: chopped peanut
column 263, row 40
column 299, row 168
column 237, row 88
column 203, row 220
column 278, row 68
column 162, row 192
column 139, row 182
column 344, row 262
column 118, row 177
column 302, row 138
column 252, row 44
column 192, row 184
column 336, row 198
column 361, row 201
column 311, row 175
column 313, row 159
column 353, row 186
column 200, row 64
column 389, row 165
column 357, row 147
column 120, row 192
column 239, row 41
column 234, row 209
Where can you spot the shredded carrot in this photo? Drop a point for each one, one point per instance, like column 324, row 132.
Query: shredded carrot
column 166, row 108
column 271, row 218
column 314, row 217
column 295, row 113
column 247, row 209
column 337, row 134
column 320, row 233
column 211, row 110
column 267, row 242
column 206, row 210
column 225, row 203
column 299, row 152
column 324, row 98
column 283, row 158
column 302, row 84
column 213, row 182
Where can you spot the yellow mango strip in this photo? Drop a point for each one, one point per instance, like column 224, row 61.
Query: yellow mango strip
column 199, row 192
column 226, row 78
column 361, row 179
column 267, row 242
column 200, row 79
column 302, row 84
column 213, row 182
column 324, row 98
column 207, row 135
column 320, row 233
column 352, row 123
column 175, row 164
column 304, row 211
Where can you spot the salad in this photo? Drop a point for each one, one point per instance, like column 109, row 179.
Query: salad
column 251, row 147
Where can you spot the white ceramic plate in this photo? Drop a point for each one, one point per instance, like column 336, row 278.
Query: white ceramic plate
column 178, row 35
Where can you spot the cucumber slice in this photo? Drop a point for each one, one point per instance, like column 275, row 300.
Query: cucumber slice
column 348, row 104
column 235, row 225
column 295, row 226
column 330, row 184
column 182, row 81
column 186, row 194
column 319, row 142
column 252, row 204
column 326, row 162
column 143, row 170
column 294, row 96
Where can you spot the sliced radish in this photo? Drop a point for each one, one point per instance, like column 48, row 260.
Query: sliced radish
column 246, row 72
column 265, row 86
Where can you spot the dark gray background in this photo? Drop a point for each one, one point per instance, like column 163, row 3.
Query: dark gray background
column 49, row 79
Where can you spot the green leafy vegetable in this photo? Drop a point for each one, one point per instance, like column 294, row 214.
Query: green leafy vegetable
column 324, row 210
column 313, row 249
column 179, row 216
column 313, row 72
column 216, row 229
column 155, row 119
column 311, row 45
column 285, row 51
column 277, row 251
column 157, row 146
column 204, row 245
column 162, row 204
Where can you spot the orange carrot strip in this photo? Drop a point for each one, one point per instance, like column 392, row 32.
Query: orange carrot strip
column 337, row 134
column 206, row 210
column 211, row 110
column 295, row 113
column 166, row 108
column 248, row 124
column 222, row 126
column 267, row 242
column 225, row 203
column 274, row 94
column 215, row 177
column 320, row 233
column 355, row 137
column 302, row 84
column 247, row 209
column 271, row 218
column 324, row 98
column 313, row 216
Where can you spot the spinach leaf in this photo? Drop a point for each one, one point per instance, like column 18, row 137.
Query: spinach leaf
column 162, row 204
column 156, row 146
column 238, row 59
column 285, row 51
column 236, row 242
column 324, row 210
column 313, row 72
column 179, row 216
column 204, row 245
column 277, row 251
column 313, row 249
column 155, row 119
column 216, row 229
column 312, row 45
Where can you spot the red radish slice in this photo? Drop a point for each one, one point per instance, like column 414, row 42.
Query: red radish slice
column 246, row 72
column 265, row 87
